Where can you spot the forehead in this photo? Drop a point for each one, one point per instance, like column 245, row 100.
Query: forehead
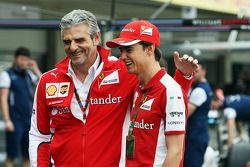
column 76, row 31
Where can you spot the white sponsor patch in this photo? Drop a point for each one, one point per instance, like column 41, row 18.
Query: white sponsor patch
column 147, row 31
column 54, row 90
column 63, row 89
column 112, row 78
column 147, row 105
column 175, row 120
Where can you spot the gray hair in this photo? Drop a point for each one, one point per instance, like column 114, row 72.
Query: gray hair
column 80, row 16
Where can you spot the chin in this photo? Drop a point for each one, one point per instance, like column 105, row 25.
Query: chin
column 23, row 67
column 77, row 62
column 131, row 72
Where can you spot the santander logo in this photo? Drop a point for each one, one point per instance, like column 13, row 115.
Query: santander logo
column 106, row 100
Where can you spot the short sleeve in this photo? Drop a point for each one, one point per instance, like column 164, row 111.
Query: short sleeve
column 230, row 113
column 175, row 108
column 197, row 97
column 4, row 80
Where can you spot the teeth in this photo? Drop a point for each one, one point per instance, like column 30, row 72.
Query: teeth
column 76, row 54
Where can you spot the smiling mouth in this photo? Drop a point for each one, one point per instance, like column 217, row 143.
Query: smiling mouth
column 128, row 63
column 76, row 54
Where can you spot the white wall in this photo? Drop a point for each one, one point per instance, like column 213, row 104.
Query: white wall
column 35, row 40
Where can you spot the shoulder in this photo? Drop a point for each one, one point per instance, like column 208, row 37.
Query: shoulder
column 230, row 113
column 197, row 96
column 4, row 79
column 115, row 63
column 199, row 91
column 112, row 58
column 4, row 75
column 205, row 85
column 49, row 75
column 172, row 89
column 168, row 82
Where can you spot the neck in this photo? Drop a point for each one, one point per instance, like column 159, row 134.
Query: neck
column 18, row 69
column 148, row 73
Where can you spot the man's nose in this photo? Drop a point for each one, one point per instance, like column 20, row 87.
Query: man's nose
column 73, row 46
column 123, row 54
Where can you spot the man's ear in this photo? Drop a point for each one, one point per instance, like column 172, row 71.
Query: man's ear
column 97, row 38
column 150, row 49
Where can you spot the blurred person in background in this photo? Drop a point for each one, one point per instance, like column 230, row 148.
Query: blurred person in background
column 17, row 85
column 241, row 86
column 159, row 109
column 199, row 103
column 236, row 108
column 80, row 109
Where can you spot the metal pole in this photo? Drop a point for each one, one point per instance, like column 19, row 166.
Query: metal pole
column 112, row 14
column 161, row 9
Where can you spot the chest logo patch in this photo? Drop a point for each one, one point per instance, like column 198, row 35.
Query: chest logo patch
column 60, row 110
column 110, row 77
column 147, row 105
column 64, row 89
column 51, row 90
column 54, row 90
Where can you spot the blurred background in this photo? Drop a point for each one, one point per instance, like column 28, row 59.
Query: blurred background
column 214, row 31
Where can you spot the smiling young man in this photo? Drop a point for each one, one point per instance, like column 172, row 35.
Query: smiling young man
column 85, row 124
column 159, row 109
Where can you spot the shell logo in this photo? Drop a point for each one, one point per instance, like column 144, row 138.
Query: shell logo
column 51, row 90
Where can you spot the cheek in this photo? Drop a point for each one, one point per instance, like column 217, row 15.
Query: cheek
column 88, row 45
column 23, row 63
column 26, row 62
column 66, row 47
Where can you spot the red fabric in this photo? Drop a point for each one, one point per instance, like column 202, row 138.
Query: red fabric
column 137, row 30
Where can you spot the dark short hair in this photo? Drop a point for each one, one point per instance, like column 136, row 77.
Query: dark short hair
column 203, row 64
column 22, row 51
column 157, row 52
